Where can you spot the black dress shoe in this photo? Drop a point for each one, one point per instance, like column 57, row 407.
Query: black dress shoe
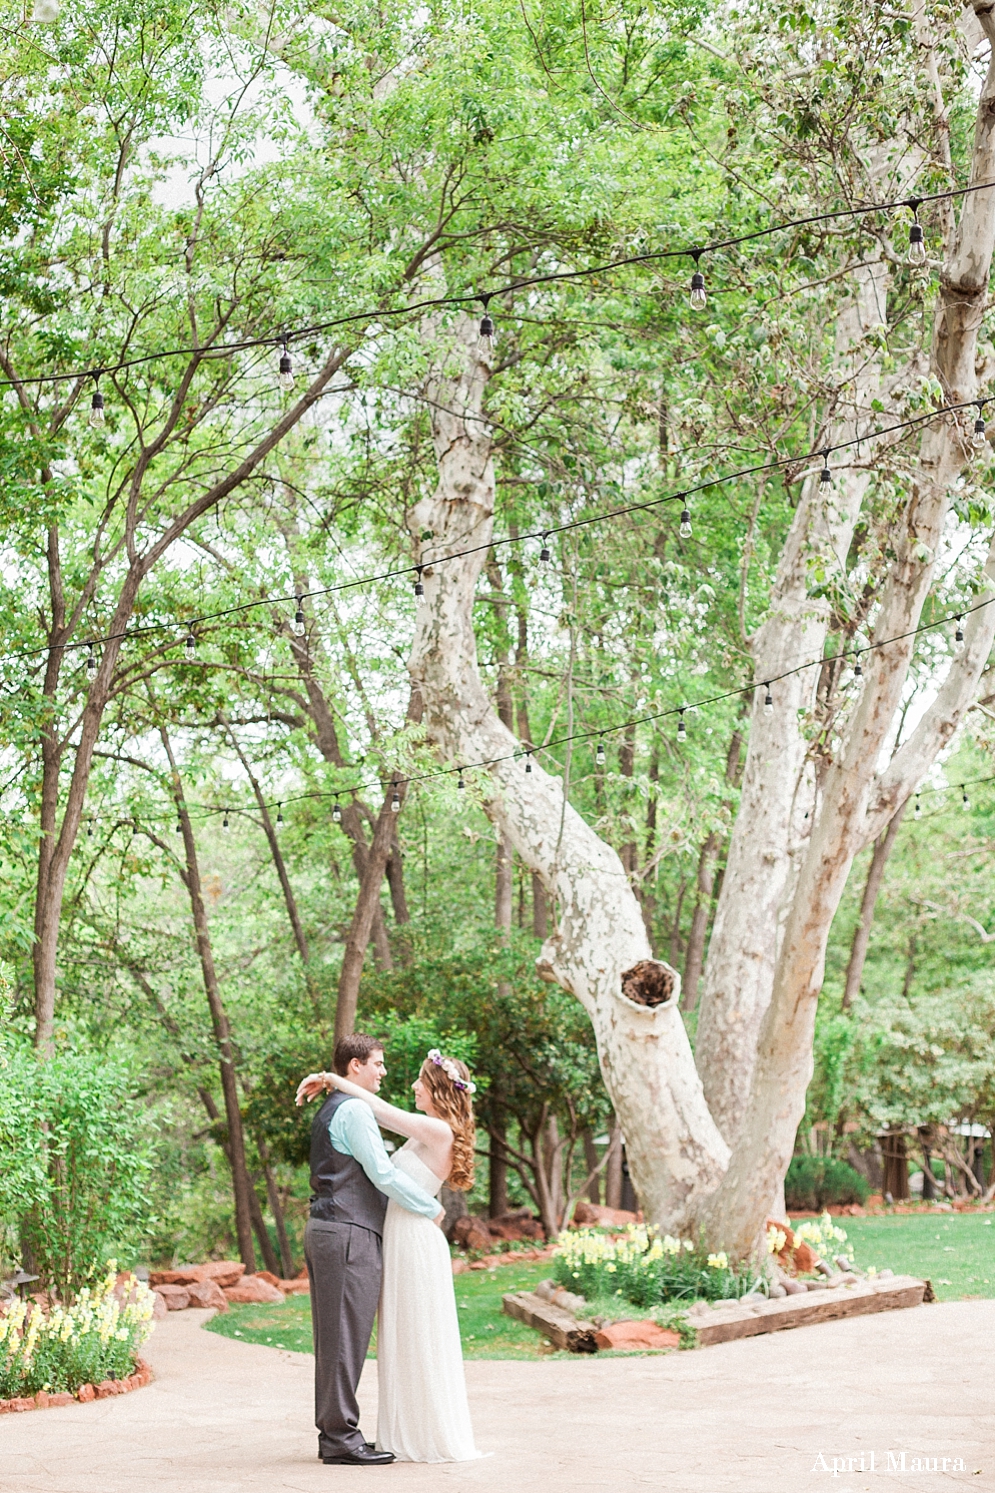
column 364, row 1456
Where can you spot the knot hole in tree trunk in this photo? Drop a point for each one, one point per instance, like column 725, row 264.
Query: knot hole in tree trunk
column 650, row 983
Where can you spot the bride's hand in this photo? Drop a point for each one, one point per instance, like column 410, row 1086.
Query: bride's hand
column 315, row 1083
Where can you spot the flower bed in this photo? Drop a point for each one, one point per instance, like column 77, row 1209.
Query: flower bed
column 93, row 1342
column 646, row 1269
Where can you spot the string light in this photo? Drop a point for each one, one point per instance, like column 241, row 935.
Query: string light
column 592, row 272
column 191, row 645
column 544, row 553
column 179, row 828
column 528, row 760
column 599, row 756
column 279, row 815
column 224, row 822
column 91, row 659
column 336, row 812
column 299, row 617
column 698, row 298
column 96, row 416
column 917, row 812
column 959, row 635
column 825, row 476
column 917, row 248
column 395, row 801
column 965, row 801
column 979, row 439
column 459, row 781
column 419, row 586
column 89, row 830
column 685, row 530
column 858, row 671
column 285, row 377
column 682, row 730
column 486, row 321
column 768, row 701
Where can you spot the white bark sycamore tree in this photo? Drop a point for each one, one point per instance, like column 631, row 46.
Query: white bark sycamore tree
column 709, row 1139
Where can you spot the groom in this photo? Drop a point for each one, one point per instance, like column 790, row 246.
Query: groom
column 351, row 1180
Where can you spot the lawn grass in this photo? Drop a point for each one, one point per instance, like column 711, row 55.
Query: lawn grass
column 956, row 1251
column 485, row 1330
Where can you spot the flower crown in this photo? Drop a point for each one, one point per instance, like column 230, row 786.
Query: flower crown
column 451, row 1071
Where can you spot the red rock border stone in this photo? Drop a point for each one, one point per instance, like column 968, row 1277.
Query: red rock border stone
column 86, row 1392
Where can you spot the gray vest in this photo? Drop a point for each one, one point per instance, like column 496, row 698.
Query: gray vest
column 341, row 1192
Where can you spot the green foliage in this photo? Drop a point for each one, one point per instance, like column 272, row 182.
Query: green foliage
column 823, row 1182
column 79, row 1153
column 646, row 1270
column 95, row 1338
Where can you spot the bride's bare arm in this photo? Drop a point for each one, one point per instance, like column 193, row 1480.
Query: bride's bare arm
column 424, row 1128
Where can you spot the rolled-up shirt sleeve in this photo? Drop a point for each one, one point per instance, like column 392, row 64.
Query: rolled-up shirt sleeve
column 354, row 1132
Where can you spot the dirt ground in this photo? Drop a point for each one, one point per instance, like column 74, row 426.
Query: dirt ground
column 766, row 1415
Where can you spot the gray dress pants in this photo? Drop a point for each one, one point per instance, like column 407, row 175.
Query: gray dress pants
column 344, row 1264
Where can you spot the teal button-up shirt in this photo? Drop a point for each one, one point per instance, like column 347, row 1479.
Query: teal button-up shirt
column 354, row 1132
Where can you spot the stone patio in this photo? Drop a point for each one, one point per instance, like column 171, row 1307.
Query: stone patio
column 753, row 1416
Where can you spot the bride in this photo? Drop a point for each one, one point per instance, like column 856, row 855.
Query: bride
column 423, row 1414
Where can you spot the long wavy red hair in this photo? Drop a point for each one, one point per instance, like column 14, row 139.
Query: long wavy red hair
column 454, row 1106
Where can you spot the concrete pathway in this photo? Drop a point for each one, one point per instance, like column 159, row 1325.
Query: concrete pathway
column 752, row 1416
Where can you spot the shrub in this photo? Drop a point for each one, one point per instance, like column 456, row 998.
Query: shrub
column 81, row 1152
column 96, row 1338
column 819, row 1182
column 645, row 1269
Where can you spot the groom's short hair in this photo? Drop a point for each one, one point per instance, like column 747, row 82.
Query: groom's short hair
column 357, row 1046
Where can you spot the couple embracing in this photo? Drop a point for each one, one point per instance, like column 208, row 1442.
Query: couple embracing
column 375, row 1236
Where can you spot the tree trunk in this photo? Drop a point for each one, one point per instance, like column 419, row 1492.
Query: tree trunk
column 896, row 1167
column 613, row 1170
column 362, row 919
column 497, row 1201
column 290, row 901
column 503, row 884
column 540, row 908
column 241, row 1185
column 591, row 1160
column 883, row 847
column 699, row 921
column 675, row 1150
column 286, row 1270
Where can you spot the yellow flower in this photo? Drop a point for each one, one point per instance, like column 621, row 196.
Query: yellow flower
column 718, row 1262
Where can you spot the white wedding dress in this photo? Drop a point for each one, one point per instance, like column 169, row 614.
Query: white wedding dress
column 423, row 1415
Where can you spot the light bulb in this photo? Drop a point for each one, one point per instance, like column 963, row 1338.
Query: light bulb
column 96, row 417
column 395, row 801
column 698, row 297
column 279, row 814
column 825, row 476
column 858, row 672
column 336, row 812
column 179, row 828
column 486, row 325
column 285, row 377
column 768, row 701
column 959, row 635
column 965, row 801
column 224, row 822
column 459, row 782
column 917, row 248
column 917, row 813
column 599, row 755
column 685, row 524
column 191, row 645
column 89, row 831
column 682, row 730
column 979, row 439
column 91, row 660
column 419, row 587
column 544, row 553
column 299, row 617
column 528, row 761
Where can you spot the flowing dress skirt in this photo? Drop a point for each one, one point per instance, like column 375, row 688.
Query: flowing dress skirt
column 423, row 1412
